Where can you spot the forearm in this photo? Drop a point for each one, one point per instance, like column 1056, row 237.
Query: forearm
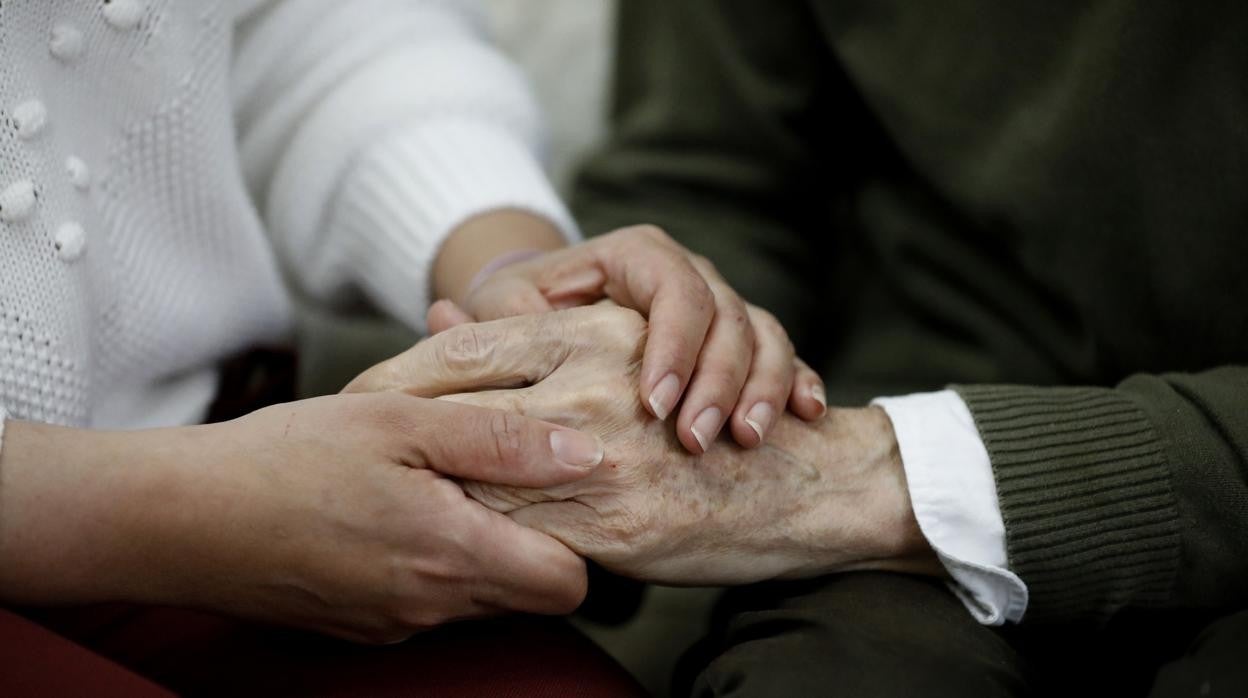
column 484, row 238
column 858, row 447
column 79, row 511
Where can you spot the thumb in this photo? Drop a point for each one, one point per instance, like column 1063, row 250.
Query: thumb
column 474, row 443
column 444, row 315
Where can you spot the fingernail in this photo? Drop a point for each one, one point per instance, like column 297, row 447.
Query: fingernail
column 759, row 418
column 706, row 425
column 663, row 397
column 576, row 449
column 816, row 392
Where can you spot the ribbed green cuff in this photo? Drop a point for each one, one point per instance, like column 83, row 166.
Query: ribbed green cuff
column 1090, row 518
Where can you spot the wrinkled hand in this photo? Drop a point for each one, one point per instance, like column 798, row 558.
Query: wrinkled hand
column 818, row 498
column 732, row 361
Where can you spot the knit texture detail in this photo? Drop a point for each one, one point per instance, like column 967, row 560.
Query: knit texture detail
column 1084, row 484
column 409, row 191
column 131, row 256
column 139, row 141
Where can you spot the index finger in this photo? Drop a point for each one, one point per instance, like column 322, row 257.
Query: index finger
column 500, row 354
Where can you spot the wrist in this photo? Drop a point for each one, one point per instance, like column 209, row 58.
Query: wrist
column 863, row 518
column 85, row 515
column 483, row 239
column 500, row 262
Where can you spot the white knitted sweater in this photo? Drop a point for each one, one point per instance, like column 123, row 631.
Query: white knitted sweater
column 164, row 163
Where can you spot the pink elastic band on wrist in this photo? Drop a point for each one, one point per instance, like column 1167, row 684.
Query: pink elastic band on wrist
column 505, row 259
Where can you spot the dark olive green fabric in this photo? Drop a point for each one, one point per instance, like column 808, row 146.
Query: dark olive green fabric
column 1007, row 196
column 881, row 635
column 847, row 635
column 1084, row 491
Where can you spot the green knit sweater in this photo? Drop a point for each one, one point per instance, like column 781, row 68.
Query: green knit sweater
column 1010, row 197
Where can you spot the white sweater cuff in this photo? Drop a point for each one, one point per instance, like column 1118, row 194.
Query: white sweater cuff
column 408, row 191
column 954, row 496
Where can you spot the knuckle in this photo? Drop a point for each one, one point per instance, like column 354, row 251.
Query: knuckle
column 768, row 326
column 709, row 271
column 442, row 494
column 702, row 263
column 390, row 374
column 649, row 231
column 593, row 401
column 765, row 320
column 378, row 377
column 700, row 294
column 506, row 436
column 465, row 347
column 623, row 328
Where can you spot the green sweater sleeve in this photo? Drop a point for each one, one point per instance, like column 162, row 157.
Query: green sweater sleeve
column 709, row 140
column 1117, row 497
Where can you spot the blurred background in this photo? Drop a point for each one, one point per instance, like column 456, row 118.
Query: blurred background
column 565, row 47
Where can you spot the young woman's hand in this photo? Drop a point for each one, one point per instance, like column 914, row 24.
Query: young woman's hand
column 339, row 514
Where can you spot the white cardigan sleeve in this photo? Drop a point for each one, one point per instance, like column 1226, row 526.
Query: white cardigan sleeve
column 370, row 129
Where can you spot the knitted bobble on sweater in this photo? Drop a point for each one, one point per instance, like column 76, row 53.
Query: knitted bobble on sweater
column 139, row 139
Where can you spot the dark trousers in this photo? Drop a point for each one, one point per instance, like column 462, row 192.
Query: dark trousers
column 889, row 635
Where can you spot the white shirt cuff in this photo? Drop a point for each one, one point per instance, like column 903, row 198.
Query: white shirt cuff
column 954, row 496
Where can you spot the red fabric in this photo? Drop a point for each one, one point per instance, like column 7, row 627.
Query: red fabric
column 199, row 654
column 38, row 662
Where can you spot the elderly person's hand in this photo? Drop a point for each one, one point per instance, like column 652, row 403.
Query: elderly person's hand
column 732, row 362
column 818, row 498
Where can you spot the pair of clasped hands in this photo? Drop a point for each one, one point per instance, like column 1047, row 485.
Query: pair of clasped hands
column 569, row 407
column 535, row 424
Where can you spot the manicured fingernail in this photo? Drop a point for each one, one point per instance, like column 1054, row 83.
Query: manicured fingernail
column 706, row 425
column 576, row 449
column 816, row 392
column 759, row 418
column 663, row 397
